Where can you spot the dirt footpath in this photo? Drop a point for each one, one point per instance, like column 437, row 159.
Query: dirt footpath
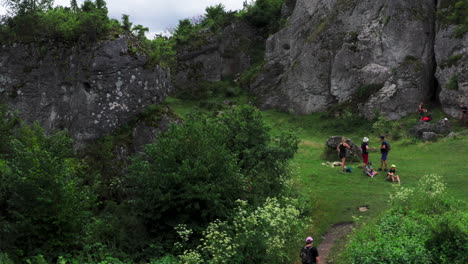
column 335, row 233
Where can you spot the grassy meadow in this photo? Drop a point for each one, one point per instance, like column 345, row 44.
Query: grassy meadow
column 334, row 196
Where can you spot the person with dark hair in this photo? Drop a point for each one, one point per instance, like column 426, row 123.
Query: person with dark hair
column 342, row 152
column 309, row 253
column 369, row 171
column 384, row 149
column 463, row 109
column 365, row 151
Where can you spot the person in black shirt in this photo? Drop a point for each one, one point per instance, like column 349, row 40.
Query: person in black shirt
column 384, row 148
column 392, row 174
column 365, row 151
column 309, row 253
column 342, row 147
column 463, row 109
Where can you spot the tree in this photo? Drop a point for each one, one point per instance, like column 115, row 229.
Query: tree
column 74, row 6
column 126, row 24
column 22, row 7
column 140, row 31
column 43, row 207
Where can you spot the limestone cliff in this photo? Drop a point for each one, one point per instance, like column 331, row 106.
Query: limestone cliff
column 89, row 90
column 334, row 51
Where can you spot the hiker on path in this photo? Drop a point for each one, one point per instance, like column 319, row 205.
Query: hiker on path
column 463, row 109
column 421, row 111
column 309, row 253
column 342, row 152
column 384, row 149
column 365, row 151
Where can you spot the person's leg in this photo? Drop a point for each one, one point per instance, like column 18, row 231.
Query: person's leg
column 343, row 160
column 381, row 162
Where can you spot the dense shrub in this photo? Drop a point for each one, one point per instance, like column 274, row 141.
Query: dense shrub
column 422, row 226
column 60, row 24
column 196, row 171
column 455, row 12
column 42, row 202
column 264, row 14
column 262, row 235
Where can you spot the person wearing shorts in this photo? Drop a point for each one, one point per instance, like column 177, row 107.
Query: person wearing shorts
column 365, row 151
column 384, row 153
column 342, row 149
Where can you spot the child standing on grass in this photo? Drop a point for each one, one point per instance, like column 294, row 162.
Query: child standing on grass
column 391, row 176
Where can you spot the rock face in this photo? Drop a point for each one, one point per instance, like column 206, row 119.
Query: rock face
column 89, row 91
column 223, row 55
column 377, row 54
column 452, row 66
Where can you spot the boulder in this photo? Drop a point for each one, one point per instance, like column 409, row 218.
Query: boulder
column 442, row 127
column 429, row 136
column 353, row 154
column 420, row 128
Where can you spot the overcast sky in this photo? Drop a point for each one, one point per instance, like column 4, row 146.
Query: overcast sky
column 157, row 15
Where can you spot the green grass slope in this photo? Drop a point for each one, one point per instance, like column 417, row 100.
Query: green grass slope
column 335, row 196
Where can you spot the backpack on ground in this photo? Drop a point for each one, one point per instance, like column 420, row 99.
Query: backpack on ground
column 305, row 255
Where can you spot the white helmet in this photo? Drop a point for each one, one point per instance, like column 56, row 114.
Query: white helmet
column 365, row 139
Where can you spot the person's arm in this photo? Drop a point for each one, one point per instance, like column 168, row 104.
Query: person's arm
column 383, row 146
column 346, row 145
column 317, row 259
column 338, row 148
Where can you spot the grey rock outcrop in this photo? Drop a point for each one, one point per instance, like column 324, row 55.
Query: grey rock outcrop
column 332, row 143
column 441, row 127
column 334, row 51
column 429, row 136
column 88, row 90
column 223, row 55
column 451, row 53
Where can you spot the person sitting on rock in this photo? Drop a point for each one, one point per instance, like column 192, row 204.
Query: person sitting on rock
column 369, row 171
column 391, row 175
column 421, row 111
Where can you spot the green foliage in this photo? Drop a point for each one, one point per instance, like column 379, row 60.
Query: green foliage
column 455, row 13
column 422, row 226
column 196, row 171
column 453, row 83
column 187, row 177
column 387, row 127
column 88, row 23
column 40, row 194
column 262, row 235
column 22, row 7
column 263, row 14
column 452, row 60
column 365, row 91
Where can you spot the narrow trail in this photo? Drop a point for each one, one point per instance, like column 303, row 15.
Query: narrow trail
column 334, row 234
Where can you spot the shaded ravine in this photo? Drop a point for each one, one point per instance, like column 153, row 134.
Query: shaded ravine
column 329, row 239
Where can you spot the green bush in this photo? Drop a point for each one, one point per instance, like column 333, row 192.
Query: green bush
column 453, row 83
column 422, row 226
column 262, row 235
column 41, row 195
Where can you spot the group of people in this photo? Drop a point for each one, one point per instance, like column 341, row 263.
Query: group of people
column 367, row 165
column 423, row 117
